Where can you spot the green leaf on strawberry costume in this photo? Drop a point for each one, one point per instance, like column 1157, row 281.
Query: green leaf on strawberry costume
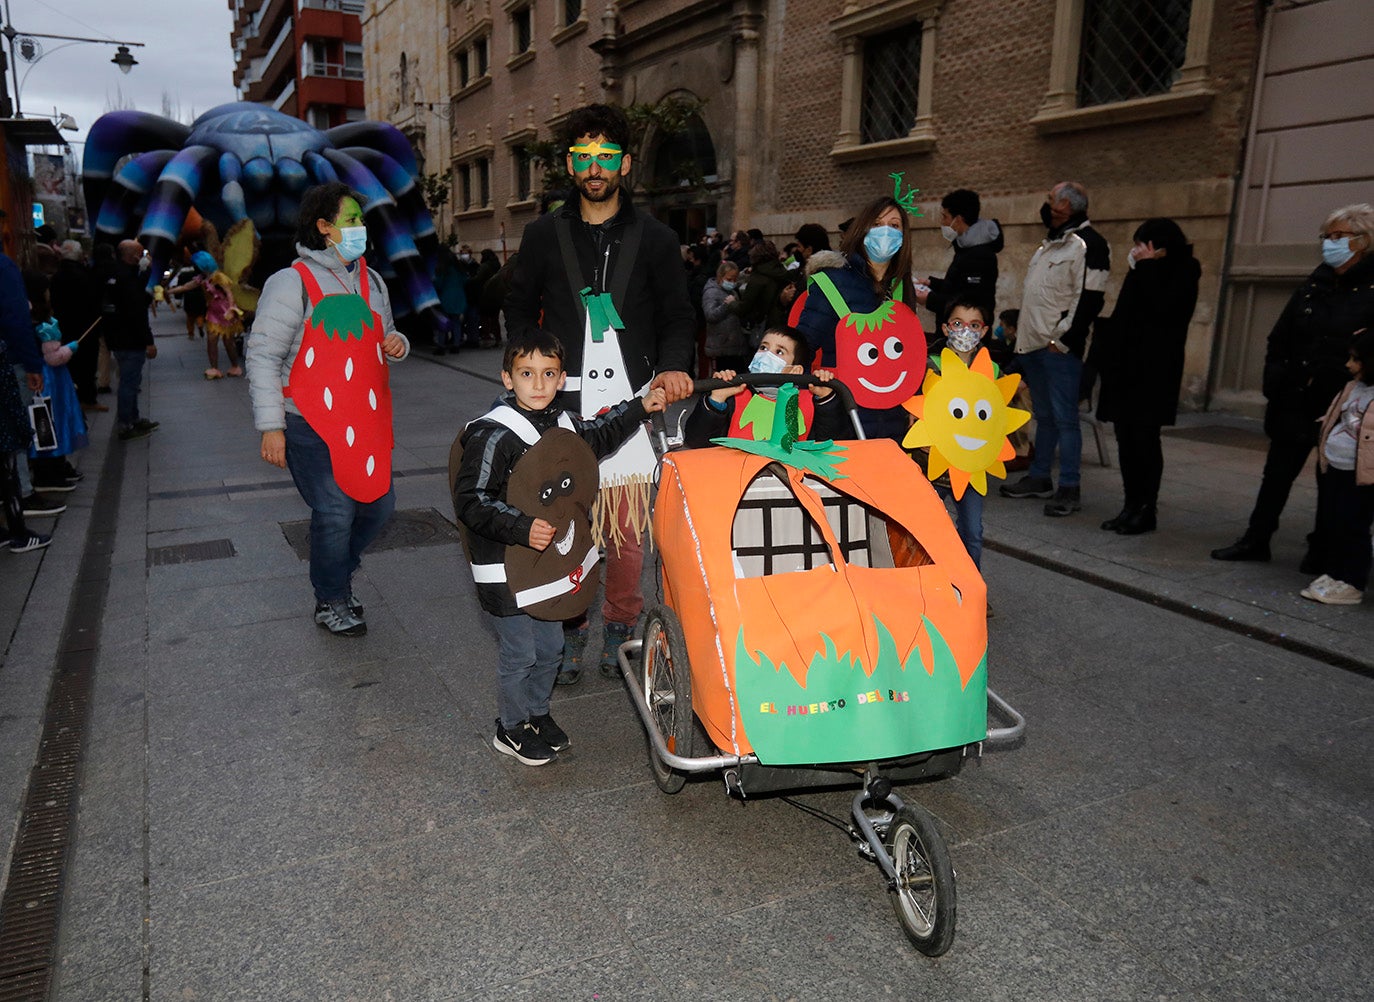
column 865, row 322
column 342, row 316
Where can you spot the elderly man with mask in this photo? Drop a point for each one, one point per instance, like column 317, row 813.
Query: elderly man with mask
column 1064, row 292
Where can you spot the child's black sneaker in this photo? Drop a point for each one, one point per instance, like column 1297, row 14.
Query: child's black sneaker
column 523, row 743
column 554, row 736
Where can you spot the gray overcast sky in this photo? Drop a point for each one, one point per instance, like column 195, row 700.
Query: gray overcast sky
column 186, row 54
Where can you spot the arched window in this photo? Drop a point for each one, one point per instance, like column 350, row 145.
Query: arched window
column 685, row 157
column 404, row 81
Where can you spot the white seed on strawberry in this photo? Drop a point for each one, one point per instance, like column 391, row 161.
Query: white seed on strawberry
column 309, row 357
column 372, row 399
column 348, row 434
column 328, row 399
column 379, row 353
column 371, row 465
column 348, row 370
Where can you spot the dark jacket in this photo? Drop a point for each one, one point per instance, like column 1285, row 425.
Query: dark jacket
column 758, row 305
column 660, row 324
column 817, row 324
column 16, row 329
column 972, row 274
column 75, row 299
column 1304, row 366
column 490, row 452
column 125, row 326
column 1138, row 350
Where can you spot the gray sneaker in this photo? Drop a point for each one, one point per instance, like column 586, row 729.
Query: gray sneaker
column 339, row 620
column 1065, row 502
column 1028, row 487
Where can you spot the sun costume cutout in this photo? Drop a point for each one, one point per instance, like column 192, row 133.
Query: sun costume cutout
column 963, row 416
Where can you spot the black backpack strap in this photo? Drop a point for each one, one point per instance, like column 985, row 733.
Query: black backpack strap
column 576, row 283
column 625, row 261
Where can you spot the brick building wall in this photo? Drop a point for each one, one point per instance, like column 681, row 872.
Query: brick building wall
column 994, row 118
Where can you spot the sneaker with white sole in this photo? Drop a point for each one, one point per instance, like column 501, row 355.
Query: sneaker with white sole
column 523, row 743
column 554, row 736
column 339, row 620
column 29, row 541
column 35, row 505
column 1332, row 592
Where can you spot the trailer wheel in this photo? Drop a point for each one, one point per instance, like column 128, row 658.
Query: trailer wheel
column 924, row 896
column 668, row 692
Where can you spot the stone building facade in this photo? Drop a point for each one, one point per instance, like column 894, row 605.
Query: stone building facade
column 811, row 105
column 405, row 56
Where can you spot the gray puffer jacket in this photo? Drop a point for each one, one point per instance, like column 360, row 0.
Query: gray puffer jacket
column 280, row 322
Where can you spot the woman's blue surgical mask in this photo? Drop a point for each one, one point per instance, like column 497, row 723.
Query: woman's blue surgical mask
column 353, row 242
column 729, row 286
column 882, row 243
column 1336, row 251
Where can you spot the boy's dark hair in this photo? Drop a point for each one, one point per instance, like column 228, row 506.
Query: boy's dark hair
column 755, row 234
column 535, row 342
column 1362, row 347
column 813, row 235
column 1011, row 318
column 802, row 352
column 970, row 303
column 604, row 120
column 320, row 202
column 963, row 203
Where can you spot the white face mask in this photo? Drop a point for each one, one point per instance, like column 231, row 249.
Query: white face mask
column 949, row 233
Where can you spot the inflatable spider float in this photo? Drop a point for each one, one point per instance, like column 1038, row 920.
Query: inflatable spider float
column 144, row 174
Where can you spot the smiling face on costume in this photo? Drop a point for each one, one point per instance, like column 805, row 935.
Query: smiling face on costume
column 597, row 166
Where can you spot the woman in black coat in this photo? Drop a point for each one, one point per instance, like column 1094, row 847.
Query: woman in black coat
column 1138, row 352
column 1304, row 367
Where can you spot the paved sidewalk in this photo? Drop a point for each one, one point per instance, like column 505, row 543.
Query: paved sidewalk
column 268, row 812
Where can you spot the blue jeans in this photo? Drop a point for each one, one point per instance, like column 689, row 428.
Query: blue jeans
column 968, row 519
column 130, row 381
column 340, row 528
column 1053, row 378
column 531, row 652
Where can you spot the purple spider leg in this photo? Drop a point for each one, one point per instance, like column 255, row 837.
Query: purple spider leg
column 177, row 188
column 126, row 196
column 117, row 135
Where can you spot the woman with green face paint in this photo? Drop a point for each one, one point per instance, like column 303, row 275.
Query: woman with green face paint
column 317, row 371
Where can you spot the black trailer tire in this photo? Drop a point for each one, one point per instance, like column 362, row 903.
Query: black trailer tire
column 924, row 898
column 667, row 680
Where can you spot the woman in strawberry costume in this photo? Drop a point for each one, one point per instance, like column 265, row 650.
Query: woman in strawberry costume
column 317, row 370
column 856, row 321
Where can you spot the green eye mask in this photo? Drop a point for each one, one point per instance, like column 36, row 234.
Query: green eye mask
column 608, row 155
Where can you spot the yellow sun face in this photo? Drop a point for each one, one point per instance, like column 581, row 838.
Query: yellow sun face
column 963, row 417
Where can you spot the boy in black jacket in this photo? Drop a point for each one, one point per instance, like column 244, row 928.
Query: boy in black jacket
column 531, row 649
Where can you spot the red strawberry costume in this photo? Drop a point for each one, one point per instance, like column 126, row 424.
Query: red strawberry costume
column 339, row 382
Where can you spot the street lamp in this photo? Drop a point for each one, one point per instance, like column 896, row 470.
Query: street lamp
column 124, row 59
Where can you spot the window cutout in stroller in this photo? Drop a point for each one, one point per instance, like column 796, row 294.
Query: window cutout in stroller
column 772, row 533
column 868, row 537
